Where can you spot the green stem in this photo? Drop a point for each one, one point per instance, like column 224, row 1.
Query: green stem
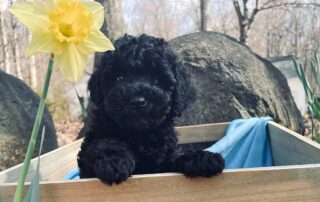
column 35, row 131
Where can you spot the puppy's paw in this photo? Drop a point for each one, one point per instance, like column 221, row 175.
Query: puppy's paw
column 200, row 163
column 114, row 170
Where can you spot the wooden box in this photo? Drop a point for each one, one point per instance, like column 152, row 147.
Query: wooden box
column 295, row 176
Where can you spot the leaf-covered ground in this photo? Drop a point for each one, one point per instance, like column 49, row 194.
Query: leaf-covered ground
column 308, row 124
column 67, row 131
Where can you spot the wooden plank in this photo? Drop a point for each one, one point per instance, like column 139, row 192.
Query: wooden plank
column 275, row 184
column 201, row 133
column 56, row 164
column 291, row 148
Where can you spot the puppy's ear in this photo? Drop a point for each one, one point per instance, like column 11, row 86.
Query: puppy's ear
column 95, row 85
column 185, row 93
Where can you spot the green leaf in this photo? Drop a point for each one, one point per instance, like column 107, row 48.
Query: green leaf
column 35, row 132
column 83, row 107
column 317, row 60
column 315, row 71
column 313, row 103
column 33, row 193
column 303, row 79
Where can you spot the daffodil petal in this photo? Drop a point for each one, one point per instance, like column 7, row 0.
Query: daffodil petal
column 51, row 5
column 67, row 28
column 30, row 14
column 97, row 11
column 42, row 42
column 97, row 41
column 71, row 62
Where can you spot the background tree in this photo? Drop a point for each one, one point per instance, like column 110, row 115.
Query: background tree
column 285, row 27
column 5, row 42
column 246, row 18
column 205, row 15
column 113, row 26
column 162, row 18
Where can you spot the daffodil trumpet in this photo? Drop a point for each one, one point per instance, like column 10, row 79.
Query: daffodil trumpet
column 70, row 31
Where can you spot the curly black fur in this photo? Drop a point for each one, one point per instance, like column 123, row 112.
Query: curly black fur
column 136, row 93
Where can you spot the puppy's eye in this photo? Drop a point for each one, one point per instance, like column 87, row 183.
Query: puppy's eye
column 119, row 78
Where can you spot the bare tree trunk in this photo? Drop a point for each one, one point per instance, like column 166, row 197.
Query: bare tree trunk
column 2, row 46
column 204, row 15
column 17, row 55
column 296, row 34
column 244, row 19
column 5, row 43
column 33, row 73
column 32, row 70
column 113, row 26
column 268, row 45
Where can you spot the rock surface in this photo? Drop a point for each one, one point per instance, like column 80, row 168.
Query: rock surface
column 232, row 82
column 18, row 108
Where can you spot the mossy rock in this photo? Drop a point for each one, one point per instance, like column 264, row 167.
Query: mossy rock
column 18, row 108
column 233, row 82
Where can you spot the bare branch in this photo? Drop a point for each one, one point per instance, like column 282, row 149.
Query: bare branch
column 238, row 10
column 253, row 15
column 264, row 7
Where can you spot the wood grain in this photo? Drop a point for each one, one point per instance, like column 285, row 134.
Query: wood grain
column 291, row 148
column 278, row 183
column 56, row 164
column 275, row 184
column 201, row 133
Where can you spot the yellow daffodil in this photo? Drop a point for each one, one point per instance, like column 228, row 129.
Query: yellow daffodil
column 70, row 29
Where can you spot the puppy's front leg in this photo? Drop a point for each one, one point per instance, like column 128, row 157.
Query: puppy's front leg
column 109, row 160
column 199, row 163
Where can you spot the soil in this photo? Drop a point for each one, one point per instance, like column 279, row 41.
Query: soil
column 308, row 126
column 67, row 131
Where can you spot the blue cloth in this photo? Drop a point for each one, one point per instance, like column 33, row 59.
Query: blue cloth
column 245, row 145
column 73, row 174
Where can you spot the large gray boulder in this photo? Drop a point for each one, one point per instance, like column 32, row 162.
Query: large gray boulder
column 232, row 82
column 18, row 108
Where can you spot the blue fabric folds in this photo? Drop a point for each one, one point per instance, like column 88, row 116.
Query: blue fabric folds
column 246, row 144
column 73, row 174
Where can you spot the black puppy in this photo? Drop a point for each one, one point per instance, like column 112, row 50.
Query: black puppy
column 136, row 93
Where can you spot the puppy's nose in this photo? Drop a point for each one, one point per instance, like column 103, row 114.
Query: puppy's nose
column 138, row 102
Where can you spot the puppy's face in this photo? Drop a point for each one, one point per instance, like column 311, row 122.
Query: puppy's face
column 137, row 98
column 139, row 84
